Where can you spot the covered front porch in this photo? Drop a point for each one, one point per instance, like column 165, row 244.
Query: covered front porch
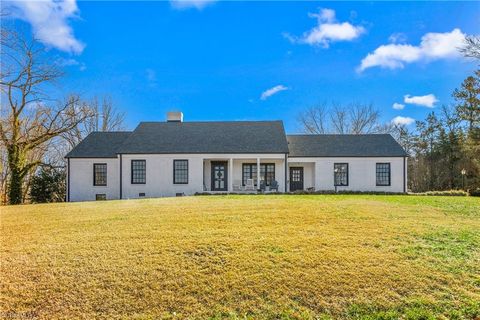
column 244, row 174
column 301, row 175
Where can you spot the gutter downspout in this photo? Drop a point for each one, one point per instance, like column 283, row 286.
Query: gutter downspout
column 404, row 175
column 121, row 195
column 68, row 179
column 286, row 165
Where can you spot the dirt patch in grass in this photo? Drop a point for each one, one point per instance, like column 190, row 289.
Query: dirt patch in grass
column 274, row 257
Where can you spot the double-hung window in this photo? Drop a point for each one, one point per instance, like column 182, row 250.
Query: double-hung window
column 383, row 174
column 249, row 171
column 139, row 171
column 99, row 174
column 180, row 171
column 267, row 173
column 340, row 171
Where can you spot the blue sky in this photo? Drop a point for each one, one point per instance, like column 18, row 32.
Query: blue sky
column 256, row 60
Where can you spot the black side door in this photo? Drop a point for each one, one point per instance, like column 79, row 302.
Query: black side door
column 296, row 178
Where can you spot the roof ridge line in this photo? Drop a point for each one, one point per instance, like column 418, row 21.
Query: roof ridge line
column 211, row 121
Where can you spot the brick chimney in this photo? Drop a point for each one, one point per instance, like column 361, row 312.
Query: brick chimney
column 174, row 116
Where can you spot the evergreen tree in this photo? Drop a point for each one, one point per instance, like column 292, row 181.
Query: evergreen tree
column 468, row 110
column 48, row 186
column 468, row 101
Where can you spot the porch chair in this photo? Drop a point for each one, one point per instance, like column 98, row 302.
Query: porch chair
column 249, row 186
column 262, row 186
column 274, row 186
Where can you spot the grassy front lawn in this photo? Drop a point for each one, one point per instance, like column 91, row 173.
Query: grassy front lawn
column 281, row 257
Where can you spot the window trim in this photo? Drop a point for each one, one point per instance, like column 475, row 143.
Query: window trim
column 95, row 184
column 174, row 169
column 348, row 173
column 265, row 173
column 131, row 171
column 389, row 174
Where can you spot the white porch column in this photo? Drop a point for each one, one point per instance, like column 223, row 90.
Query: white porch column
column 286, row 174
column 258, row 173
column 230, row 175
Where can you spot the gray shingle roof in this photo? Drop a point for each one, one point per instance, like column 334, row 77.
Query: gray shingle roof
column 99, row 145
column 349, row 145
column 207, row 137
column 232, row 137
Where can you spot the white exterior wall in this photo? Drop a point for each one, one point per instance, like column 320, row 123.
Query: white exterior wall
column 159, row 176
column 361, row 173
column 81, row 179
column 318, row 173
column 159, row 168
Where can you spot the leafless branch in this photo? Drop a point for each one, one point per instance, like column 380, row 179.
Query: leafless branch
column 471, row 49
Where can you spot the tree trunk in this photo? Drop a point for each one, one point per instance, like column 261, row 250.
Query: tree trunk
column 15, row 191
column 15, row 163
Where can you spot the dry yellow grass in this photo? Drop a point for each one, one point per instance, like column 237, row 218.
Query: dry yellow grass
column 285, row 257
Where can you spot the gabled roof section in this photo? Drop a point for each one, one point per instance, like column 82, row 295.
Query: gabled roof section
column 344, row 145
column 207, row 137
column 99, row 145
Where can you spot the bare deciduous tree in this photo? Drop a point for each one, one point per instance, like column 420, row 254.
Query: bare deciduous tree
column 105, row 117
column 3, row 173
column 472, row 47
column 355, row 118
column 314, row 119
column 364, row 119
column 29, row 119
column 339, row 119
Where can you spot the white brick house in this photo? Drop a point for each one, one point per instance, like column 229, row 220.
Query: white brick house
column 171, row 158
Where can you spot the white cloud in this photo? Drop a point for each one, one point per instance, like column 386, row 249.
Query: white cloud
column 442, row 45
column 433, row 46
column 49, row 20
column 328, row 30
column 405, row 121
column 270, row 92
column 70, row 62
column 67, row 62
column 428, row 100
column 190, row 4
column 398, row 37
column 391, row 56
column 398, row 106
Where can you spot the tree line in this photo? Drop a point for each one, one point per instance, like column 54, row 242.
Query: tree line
column 444, row 148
